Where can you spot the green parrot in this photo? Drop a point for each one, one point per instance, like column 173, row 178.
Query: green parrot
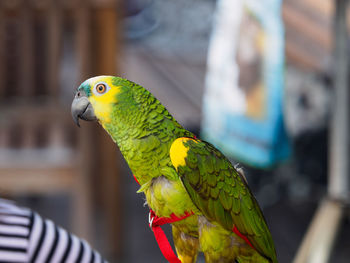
column 179, row 174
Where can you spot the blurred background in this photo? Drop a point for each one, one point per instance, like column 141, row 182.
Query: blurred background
column 177, row 50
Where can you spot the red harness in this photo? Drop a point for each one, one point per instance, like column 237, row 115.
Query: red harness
column 155, row 224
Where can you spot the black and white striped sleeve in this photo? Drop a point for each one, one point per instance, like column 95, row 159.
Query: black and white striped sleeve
column 14, row 232
column 26, row 237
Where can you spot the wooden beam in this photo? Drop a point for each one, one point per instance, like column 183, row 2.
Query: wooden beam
column 319, row 240
column 54, row 43
column 83, row 38
column 86, row 163
column 36, row 180
column 106, row 33
column 2, row 50
column 26, row 49
column 324, row 7
column 320, row 34
column 105, row 41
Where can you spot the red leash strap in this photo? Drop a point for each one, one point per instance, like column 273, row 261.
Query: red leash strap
column 155, row 224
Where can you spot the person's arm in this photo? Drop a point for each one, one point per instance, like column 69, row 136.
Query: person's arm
column 26, row 237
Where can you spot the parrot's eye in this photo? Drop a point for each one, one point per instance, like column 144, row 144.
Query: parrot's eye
column 101, row 88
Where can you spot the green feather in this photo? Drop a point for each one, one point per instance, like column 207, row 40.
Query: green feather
column 234, row 196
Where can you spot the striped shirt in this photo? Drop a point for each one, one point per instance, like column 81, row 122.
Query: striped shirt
column 26, row 237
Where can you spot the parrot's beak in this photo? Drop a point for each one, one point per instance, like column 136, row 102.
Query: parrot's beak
column 82, row 108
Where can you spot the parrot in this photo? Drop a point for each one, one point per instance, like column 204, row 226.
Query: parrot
column 179, row 173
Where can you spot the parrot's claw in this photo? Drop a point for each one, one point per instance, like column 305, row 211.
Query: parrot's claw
column 150, row 219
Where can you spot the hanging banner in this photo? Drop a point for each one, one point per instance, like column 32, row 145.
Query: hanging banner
column 243, row 99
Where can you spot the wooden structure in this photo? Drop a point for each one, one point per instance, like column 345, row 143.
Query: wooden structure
column 41, row 151
column 321, row 235
column 308, row 27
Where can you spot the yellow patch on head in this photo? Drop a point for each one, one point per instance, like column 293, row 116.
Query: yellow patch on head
column 178, row 152
column 102, row 103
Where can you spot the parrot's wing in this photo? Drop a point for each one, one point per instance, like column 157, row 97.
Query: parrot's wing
column 220, row 192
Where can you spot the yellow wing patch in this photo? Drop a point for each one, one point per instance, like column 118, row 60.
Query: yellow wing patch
column 178, row 152
column 103, row 104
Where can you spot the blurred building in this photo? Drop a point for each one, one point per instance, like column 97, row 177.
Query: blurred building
column 46, row 49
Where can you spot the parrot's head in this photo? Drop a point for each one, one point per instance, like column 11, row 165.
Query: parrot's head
column 97, row 97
